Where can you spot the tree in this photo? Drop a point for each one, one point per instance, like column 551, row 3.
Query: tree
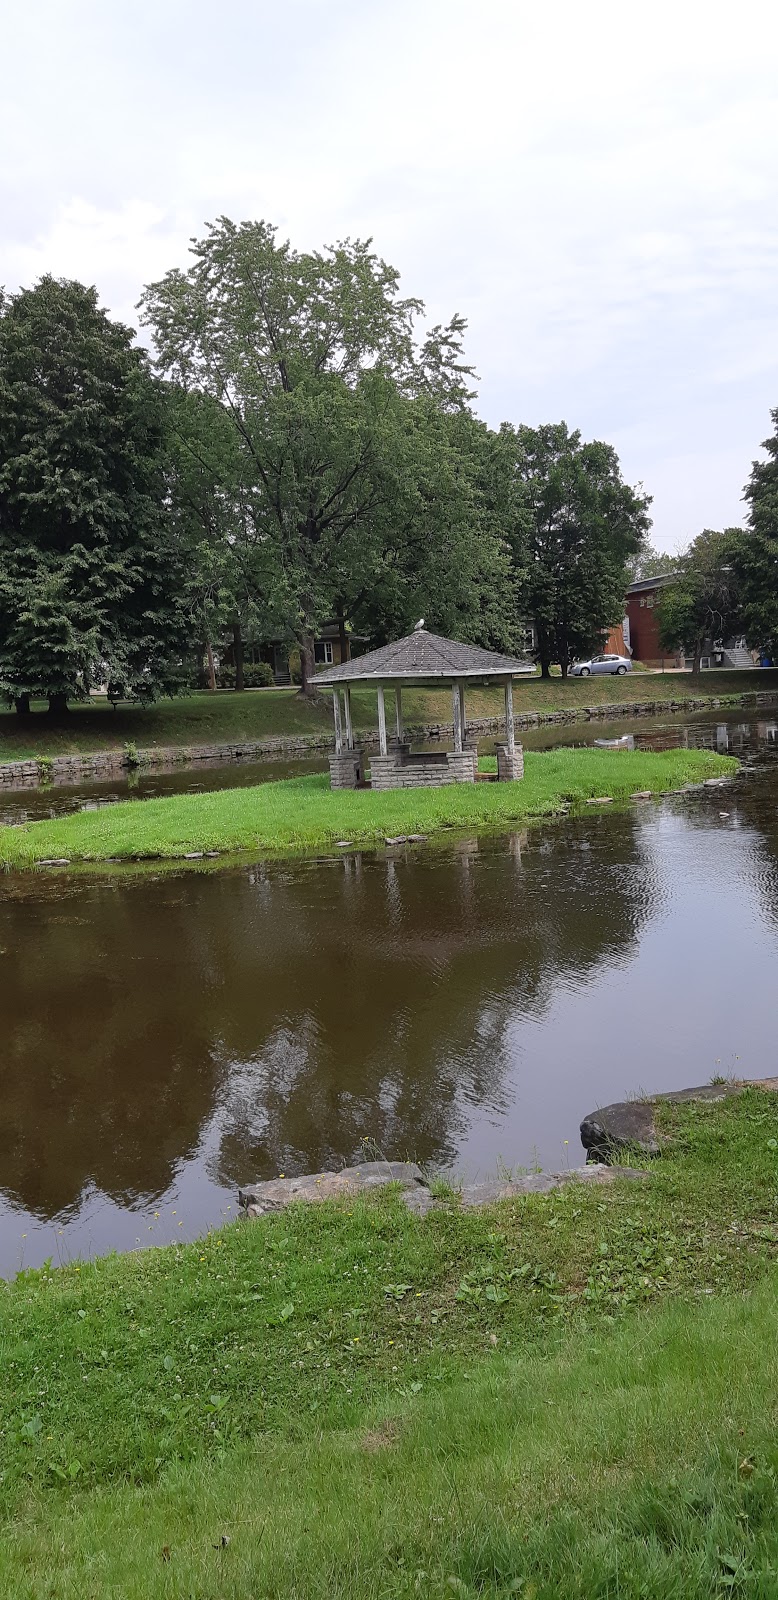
column 89, row 570
column 576, row 525
column 650, row 563
column 756, row 554
column 313, row 358
column 702, row 602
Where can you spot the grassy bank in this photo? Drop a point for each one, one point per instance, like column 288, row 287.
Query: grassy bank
column 304, row 814
column 571, row 1394
column 225, row 718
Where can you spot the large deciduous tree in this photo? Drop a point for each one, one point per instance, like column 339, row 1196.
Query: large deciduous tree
column 89, row 568
column 576, row 524
column 756, row 553
column 702, row 604
column 336, row 410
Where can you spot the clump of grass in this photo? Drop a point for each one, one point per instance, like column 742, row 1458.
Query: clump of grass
column 305, row 814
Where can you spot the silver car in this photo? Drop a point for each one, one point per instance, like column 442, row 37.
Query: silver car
column 604, row 663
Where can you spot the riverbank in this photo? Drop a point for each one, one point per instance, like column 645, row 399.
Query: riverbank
column 269, row 719
column 561, row 1394
column 301, row 814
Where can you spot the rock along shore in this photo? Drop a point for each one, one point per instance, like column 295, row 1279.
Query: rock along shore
column 167, row 758
column 275, row 1194
column 631, row 1124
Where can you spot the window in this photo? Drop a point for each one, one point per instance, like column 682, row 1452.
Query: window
column 322, row 652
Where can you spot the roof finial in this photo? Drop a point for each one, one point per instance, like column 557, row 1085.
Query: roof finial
column 419, row 625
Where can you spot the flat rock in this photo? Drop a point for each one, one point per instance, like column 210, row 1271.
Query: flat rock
column 601, row 800
column 641, row 794
column 632, row 1123
column 276, row 1193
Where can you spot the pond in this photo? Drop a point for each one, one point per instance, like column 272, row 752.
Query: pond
column 170, row 1036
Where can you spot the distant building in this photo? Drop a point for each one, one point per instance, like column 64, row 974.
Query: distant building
column 643, row 622
column 643, row 625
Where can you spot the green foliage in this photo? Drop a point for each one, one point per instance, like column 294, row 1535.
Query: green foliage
column 256, row 675
column 756, row 557
column 575, row 526
column 305, row 814
column 89, row 570
column 703, row 601
column 344, row 471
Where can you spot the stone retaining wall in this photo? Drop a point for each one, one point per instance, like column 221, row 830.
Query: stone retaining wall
column 115, row 764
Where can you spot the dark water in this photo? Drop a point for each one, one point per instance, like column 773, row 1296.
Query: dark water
column 166, row 1038
column 730, row 731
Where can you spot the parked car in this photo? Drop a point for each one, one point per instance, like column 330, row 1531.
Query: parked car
column 604, row 663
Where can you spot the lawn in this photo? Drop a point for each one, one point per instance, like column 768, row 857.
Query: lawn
column 226, row 717
column 570, row 1394
column 305, row 814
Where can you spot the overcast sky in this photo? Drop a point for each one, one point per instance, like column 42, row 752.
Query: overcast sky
column 593, row 185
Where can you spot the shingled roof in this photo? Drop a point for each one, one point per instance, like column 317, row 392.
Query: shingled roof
column 424, row 656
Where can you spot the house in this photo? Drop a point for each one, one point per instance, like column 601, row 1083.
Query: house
column 643, row 622
column 642, row 602
column 327, row 651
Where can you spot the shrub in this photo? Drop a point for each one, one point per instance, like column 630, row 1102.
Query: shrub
column 256, row 675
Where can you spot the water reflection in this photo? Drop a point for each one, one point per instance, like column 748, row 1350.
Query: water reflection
column 165, row 1039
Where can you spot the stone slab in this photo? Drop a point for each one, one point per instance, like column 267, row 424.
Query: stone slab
column 275, row 1193
column 260, row 1199
column 631, row 1124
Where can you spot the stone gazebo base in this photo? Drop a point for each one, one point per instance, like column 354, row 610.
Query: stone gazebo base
column 400, row 769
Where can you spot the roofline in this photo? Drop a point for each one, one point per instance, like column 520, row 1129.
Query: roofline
column 337, row 675
column 650, row 583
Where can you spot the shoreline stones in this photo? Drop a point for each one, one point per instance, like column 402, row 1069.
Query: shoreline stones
column 275, row 1194
column 631, row 1124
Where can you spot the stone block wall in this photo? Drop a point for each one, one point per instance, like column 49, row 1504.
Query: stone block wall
column 510, row 763
column 450, row 766
column 346, row 770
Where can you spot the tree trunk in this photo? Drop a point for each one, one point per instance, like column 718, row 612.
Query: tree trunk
column 345, row 641
column 58, row 704
column 696, row 667
column 545, row 668
column 211, row 666
column 237, row 652
column 22, row 704
column 307, row 667
column 564, row 667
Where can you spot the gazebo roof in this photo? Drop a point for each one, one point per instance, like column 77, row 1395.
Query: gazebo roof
column 424, row 656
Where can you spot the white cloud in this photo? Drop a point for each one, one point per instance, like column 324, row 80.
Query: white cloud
column 593, row 186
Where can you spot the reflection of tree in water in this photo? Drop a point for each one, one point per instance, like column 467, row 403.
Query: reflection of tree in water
column 291, row 1011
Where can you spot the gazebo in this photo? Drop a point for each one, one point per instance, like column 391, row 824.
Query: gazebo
column 422, row 659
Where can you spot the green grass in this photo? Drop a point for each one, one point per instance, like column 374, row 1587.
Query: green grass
column 304, row 813
column 226, row 717
column 572, row 1394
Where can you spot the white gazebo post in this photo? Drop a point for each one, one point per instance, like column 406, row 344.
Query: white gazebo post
column 382, row 745
column 338, row 726
column 509, row 734
column 347, row 716
column 456, row 707
column 398, row 712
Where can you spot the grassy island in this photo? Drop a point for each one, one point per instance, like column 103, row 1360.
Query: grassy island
column 564, row 1394
column 304, row 814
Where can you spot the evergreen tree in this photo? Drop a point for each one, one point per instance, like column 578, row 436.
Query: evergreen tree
column 90, row 572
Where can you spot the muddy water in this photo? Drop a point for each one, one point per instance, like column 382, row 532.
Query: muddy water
column 165, row 1038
